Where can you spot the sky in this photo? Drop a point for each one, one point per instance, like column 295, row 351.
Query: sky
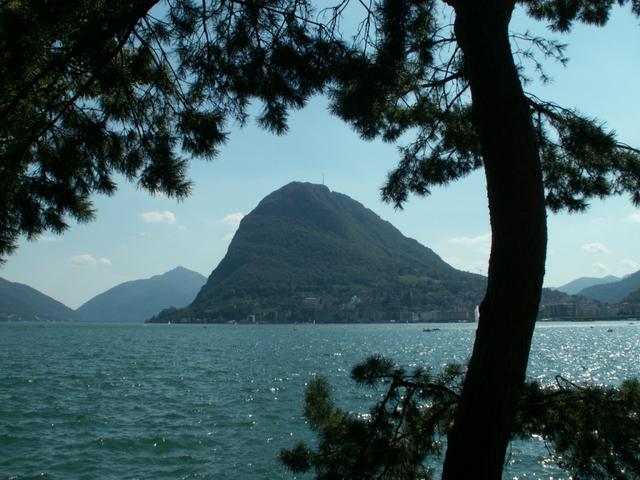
column 137, row 235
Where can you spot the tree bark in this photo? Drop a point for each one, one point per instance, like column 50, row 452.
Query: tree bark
column 479, row 438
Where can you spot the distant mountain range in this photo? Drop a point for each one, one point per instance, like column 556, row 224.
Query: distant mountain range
column 139, row 300
column 614, row 292
column 133, row 301
column 21, row 303
column 307, row 253
column 574, row 287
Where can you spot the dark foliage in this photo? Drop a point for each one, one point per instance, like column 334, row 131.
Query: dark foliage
column 564, row 13
column 80, row 99
column 92, row 90
column 392, row 441
column 592, row 432
column 581, row 159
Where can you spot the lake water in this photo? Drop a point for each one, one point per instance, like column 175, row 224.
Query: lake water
column 219, row 401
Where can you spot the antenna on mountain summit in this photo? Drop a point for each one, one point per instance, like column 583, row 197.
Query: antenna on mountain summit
column 323, row 179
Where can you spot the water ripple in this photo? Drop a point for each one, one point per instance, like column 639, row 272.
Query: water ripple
column 187, row 402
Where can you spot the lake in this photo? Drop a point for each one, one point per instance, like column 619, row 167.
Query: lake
column 83, row 401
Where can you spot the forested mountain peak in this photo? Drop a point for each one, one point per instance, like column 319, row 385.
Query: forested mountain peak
column 305, row 250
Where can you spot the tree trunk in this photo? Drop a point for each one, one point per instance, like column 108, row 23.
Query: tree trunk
column 479, row 438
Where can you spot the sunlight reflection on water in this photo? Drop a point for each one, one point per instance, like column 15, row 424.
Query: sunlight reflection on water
column 189, row 402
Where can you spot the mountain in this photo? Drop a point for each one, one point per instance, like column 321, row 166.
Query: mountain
column 138, row 300
column 581, row 283
column 633, row 297
column 613, row 292
column 307, row 252
column 20, row 302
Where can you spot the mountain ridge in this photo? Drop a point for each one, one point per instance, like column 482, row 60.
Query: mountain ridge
column 613, row 292
column 633, row 297
column 136, row 300
column 576, row 286
column 20, row 302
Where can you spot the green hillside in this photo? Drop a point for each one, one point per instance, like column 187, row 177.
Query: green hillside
column 306, row 253
column 633, row 297
column 21, row 303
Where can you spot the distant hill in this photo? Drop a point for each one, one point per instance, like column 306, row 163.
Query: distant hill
column 21, row 303
column 579, row 284
column 552, row 296
column 613, row 292
column 633, row 297
column 306, row 252
column 138, row 300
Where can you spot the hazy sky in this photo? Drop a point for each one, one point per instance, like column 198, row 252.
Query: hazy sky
column 137, row 236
